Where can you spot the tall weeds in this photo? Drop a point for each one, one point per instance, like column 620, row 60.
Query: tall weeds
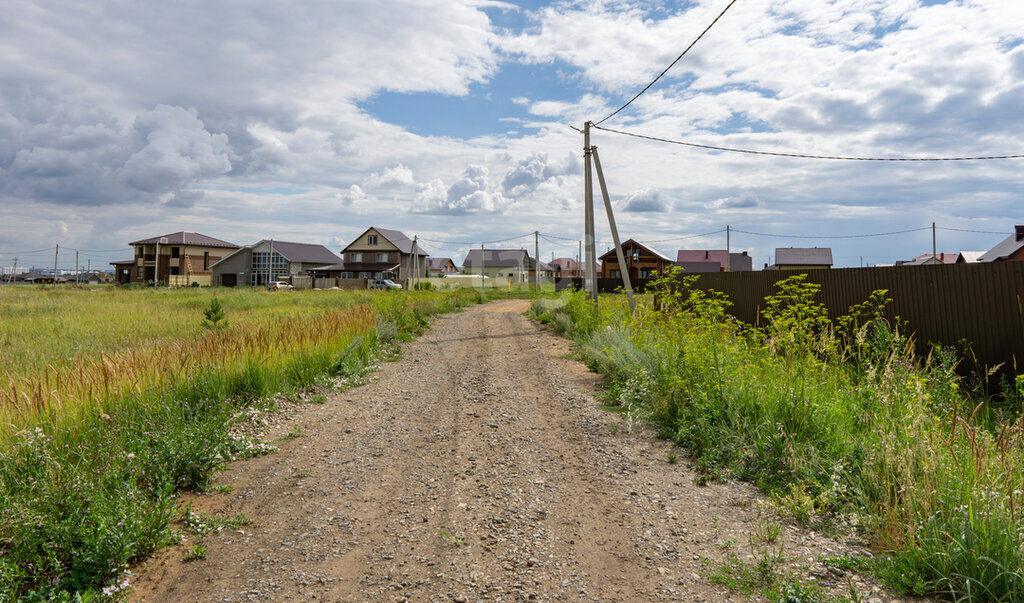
column 93, row 451
column 836, row 419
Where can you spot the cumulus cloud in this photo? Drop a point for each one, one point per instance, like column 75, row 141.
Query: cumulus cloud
column 472, row 193
column 532, row 171
column 178, row 151
column 646, row 200
column 353, row 195
column 398, row 175
column 745, row 199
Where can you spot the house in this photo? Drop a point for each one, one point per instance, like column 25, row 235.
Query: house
column 567, row 268
column 268, row 260
column 441, row 267
column 383, row 253
column 513, row 264
column 733, row 262
column 94, row 277
column 188, row 255
column 1009, row 249
column 928, row 259
column 641, row 261
column 969, row 257
column 802, row 258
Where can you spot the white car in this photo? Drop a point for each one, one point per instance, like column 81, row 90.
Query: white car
column 276, row 285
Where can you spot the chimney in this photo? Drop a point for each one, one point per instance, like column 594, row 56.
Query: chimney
column 1020, row 231
column 744, row 253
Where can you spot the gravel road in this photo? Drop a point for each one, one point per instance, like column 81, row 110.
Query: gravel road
column 479, row 466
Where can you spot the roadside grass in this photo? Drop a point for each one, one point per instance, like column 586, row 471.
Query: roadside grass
column 836, row 419
column 97, row 437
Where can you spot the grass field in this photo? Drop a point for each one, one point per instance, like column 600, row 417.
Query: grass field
column 113, row 400
column 837, row 421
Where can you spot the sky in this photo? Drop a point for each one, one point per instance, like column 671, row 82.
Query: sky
column 450, row 120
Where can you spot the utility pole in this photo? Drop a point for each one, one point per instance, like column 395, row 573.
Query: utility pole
column 624, row 270
column 271, row 264
column 482, row 275
column 415, row 261
column 56, row 251
column 14, row 271
column 536, row 262
column 933, row 239
column 77, row 268
column 728, row 249
column 590, row 278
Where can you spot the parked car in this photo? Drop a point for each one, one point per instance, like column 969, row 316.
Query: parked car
column 385, row 284
column 276, row 285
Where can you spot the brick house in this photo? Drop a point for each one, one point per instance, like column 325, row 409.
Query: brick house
column 177, row 258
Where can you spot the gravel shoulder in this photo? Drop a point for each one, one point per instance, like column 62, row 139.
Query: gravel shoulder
column 479, row 466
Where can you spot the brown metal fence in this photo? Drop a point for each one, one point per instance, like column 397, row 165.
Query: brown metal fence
column 982, row 304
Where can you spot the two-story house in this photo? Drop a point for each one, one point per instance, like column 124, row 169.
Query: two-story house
column 383, row 253
column 179, row 258
column 641, row 261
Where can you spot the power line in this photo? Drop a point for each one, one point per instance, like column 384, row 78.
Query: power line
column 562, row 238
column 672, row 64
column 706, row 234
column 855, row 236
column 529, row 234
column 978, row 231
column 26, row 252
column 805, row 155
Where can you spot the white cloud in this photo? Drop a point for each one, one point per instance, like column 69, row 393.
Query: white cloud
column 472, row 193
column 744, row 200
column 398, row 175
column 646, row 200
column 353, row 195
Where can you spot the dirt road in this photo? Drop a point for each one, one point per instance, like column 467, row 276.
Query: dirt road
column 477, row 467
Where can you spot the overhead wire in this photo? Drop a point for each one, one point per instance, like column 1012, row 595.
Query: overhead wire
column 803, row 155
column 977, row 231
column 671, row 65
column 854, row 236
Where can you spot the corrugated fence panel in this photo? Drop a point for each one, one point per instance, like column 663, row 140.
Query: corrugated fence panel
column 981, row 303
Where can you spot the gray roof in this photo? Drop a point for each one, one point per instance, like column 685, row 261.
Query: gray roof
column 1006, row 247
column 309, row 253
column 399, row 240
column 185, row 238
column 803, row 256
column 438, row 263
column 698, row 267
column 497, row 257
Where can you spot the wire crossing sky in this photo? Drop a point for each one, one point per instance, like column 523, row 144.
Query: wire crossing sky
column 444, row 119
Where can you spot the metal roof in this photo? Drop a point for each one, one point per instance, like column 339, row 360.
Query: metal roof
column 803, row 256
column 1006, row 247
column 497, row 257
column 185, row 238
column 310, row 253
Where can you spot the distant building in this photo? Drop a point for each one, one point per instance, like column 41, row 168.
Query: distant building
column 383, row 253
column 1009, row 249
column 267, row 261
column 641, row 261
column 802, row 258
column 513, row 264
column 928, row 259
column 704, row 260
column 969, row 257
column 186, row 254
column 441, row 267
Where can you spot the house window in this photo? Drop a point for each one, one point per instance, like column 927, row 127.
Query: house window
column 175, row 252
column 364, row 275
column 139, row 272
column 267, row 267
column 206, row 260
column 355, row 257
column 346, row 275
column 636, row 255
column 616, row 274
column 371, row 239
column 382, row 257
column 174, row 270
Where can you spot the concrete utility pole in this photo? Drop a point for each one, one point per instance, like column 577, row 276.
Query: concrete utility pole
column 623, row 269
column 933, row 239
column 536, row 262
column 483, row 284
column 415, row 261
column 590, row 278
column 728, row 250
column 77, row 268
column 56, row 251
